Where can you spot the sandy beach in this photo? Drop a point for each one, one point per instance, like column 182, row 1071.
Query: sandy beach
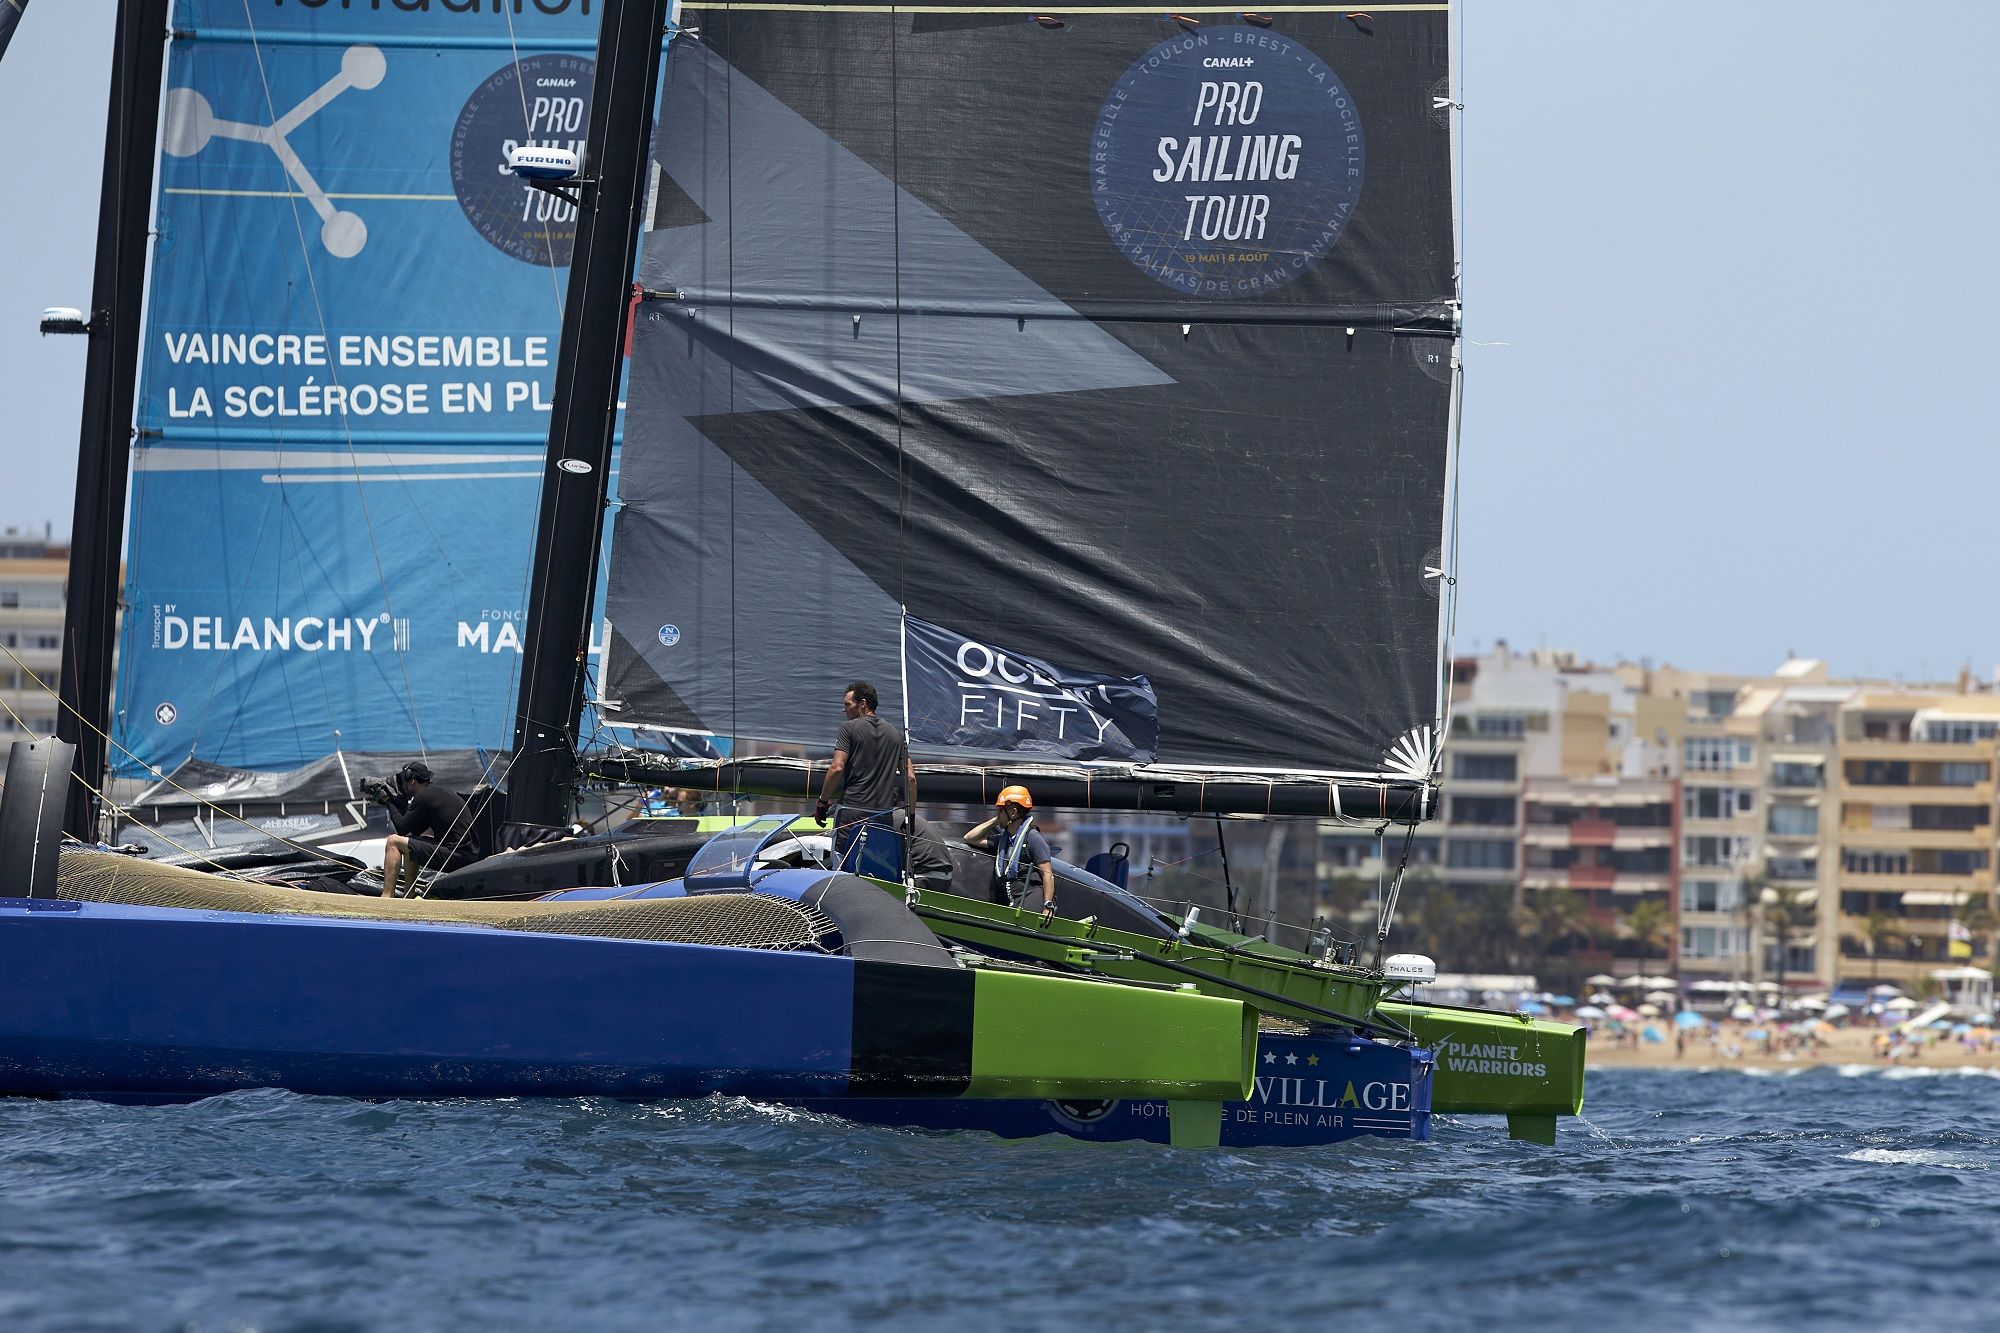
column 1727, row 1048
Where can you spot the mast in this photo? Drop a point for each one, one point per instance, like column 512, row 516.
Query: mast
column 550, row 702
column 104, row 447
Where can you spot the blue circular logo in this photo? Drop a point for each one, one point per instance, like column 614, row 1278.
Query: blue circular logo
column 670, row 635
column 541, row 100
column 1225, row 162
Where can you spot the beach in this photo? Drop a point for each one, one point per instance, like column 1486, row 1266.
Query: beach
column 1728, row 1047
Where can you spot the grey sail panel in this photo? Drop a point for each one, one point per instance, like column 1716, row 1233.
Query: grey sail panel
column 920, row 361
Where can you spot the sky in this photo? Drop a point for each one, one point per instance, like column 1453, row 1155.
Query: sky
column 1729, row 308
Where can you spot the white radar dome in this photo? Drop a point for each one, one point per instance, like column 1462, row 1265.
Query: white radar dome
column 543, row 164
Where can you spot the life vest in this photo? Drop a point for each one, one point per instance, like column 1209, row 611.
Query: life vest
column 1009, row 874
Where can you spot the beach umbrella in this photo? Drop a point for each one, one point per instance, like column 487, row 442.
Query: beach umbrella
column 1561, row 1001
column 1886, row 991
column 1809, row 1002
column 1651, row 1033
column 1649, row 1011
column 1741, row 1012
column 1941, row 1025
column 1602, row 997
column 1590, row 1011
column 1660, row 997
column 1959, row 1029
column 1711, row 986
column 1532, row 1007
column 1659, row 983
column 1688, row 1018
column 1633, row 982
column 1756, row 1034
column 1601, row 979
column 1837, row 1011
column 1902, row 1004
column 1623, row 1014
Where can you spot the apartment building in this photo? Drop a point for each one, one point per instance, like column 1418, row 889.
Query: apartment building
column 1914, row 840
column 34, row 574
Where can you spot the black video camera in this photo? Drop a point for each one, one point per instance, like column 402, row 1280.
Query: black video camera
column 380, row 790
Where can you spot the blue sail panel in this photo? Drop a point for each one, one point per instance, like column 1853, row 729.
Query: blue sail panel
column 349, row 357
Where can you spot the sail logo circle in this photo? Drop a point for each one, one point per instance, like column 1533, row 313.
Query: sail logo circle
column 541, row 100
column 1226, row 163
column 165, row 714
column 670, row 635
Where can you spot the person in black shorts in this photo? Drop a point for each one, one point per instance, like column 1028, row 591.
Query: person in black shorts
column 432, row 829
column 871, row 772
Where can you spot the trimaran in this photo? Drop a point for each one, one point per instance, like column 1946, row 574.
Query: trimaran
column 1136, row 426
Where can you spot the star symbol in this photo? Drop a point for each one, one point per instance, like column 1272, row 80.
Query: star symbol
column 1270, row 1059
column 1312, row 1059
column 1291, row 1059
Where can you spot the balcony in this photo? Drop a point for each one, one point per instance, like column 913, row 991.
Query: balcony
column 1972, row 839
column 1592, row 877
column 1974, row 882
column 1917, row 751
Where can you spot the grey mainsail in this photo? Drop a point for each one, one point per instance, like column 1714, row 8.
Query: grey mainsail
column 1105, row 340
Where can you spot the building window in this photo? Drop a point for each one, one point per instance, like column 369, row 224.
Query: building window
column 1961, row 774
column 1479, row 854
column 1792, row 869
column 1794, row 821
column 1713, row 941
column 1711, row 895
column 1857, row 862
column 1717, row 802
column 1715, row 754
column 1489, row 810
column 1961, row 862
column 1703, row 850
column 1797, row 775
column 1954, row 818
column 1957, row 731
column 1484, row 767
column 49, row 641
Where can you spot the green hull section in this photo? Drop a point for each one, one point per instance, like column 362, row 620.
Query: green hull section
column 1527, row 1069
column 1038, row 1036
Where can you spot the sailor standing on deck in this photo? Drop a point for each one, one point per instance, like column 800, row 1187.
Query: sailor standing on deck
column 871, row 769
column 1020, row 852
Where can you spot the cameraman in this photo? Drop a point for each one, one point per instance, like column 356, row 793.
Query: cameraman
column 433, row 829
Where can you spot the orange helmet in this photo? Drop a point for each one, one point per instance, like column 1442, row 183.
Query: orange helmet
column 1015, row 795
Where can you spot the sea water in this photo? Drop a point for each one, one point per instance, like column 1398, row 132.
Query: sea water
column 1857, row 1197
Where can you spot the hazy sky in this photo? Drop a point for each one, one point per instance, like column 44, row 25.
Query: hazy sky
column 1728, row 284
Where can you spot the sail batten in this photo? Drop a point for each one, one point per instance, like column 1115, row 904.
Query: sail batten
column 1119, row 356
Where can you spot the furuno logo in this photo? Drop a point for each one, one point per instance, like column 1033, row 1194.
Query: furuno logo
column 1225, row 163
column 175, row 632
column 542, row 101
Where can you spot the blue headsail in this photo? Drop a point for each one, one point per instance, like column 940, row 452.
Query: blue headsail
column 348, row 363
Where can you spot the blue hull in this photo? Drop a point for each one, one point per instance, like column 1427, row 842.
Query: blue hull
column 1310, row 1090
column 158, row 1004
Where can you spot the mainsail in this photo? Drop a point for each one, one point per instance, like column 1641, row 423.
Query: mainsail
column 351, row 332
column 1093, row 343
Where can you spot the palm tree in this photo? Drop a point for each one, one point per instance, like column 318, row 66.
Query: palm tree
column 1877, row 929
column 1548, row 918
column 1786, row 913
column 1979, row 917
column 1650, row 923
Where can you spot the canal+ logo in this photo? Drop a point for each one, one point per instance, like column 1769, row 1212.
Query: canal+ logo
column 1225, row 162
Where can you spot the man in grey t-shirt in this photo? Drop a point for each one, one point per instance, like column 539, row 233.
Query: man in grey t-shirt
column 871, row 769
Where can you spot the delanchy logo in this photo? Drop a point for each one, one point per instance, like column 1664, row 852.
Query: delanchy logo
column 1225, row 162
column 532, row 225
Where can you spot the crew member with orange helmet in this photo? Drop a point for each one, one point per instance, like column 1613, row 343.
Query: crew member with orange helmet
column 1019, row 850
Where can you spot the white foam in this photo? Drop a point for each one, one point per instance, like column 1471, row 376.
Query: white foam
column 1914, row 1157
